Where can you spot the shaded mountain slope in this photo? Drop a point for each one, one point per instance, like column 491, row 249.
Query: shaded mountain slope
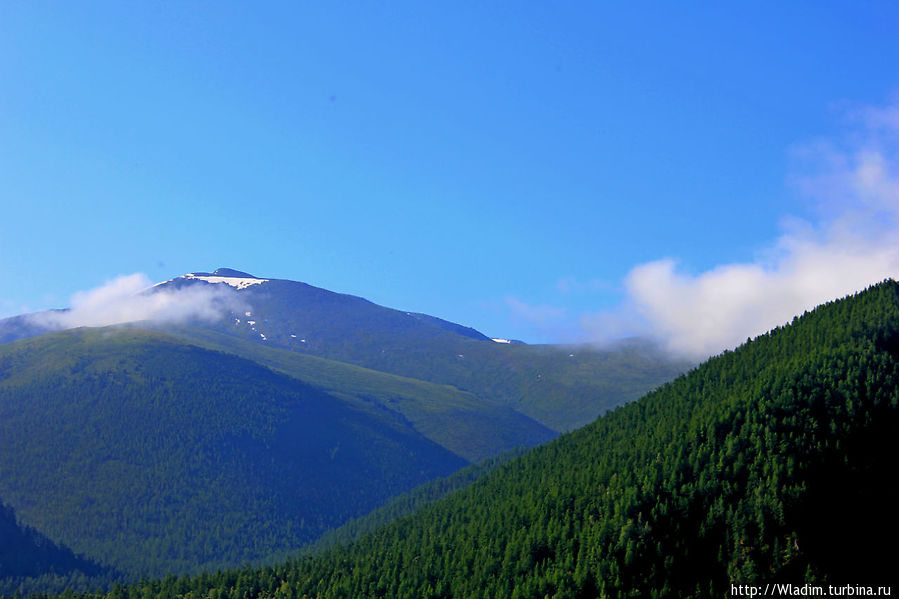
column 22, row 326
column 774, row 463
column 469, row 426
column 155, row 456
column 26, row 555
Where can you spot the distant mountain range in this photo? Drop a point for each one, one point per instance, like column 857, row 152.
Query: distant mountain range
column 560, row 387
column 158, row 447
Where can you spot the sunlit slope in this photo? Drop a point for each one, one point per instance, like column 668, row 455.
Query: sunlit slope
column 156, row 456
column 772, row 463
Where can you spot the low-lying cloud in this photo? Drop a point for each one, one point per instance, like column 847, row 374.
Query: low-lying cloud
column 130, row 298
column 854, row 244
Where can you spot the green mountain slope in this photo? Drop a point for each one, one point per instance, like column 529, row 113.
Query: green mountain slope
column 774, row 463
column 407, row 503
column 561, row 387
column 29, row 559
column 156, row 456
column 472, row 427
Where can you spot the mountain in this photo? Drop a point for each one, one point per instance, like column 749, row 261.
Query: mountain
column 561, row 387
column 773, row 464
column 24, row 326
column 159, row 447
column 469, row 426
column 155, row 456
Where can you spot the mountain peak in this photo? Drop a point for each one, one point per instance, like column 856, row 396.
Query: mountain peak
column 230, row 272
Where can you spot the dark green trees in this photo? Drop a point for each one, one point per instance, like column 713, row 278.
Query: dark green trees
column 155, row 456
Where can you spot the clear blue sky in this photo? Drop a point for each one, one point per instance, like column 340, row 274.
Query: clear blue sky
column 503, row 165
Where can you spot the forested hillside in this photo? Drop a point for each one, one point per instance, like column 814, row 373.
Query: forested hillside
column 472, row 427
column 154, row 456
column 29, row 558
column 774, row 462
column 407, row 503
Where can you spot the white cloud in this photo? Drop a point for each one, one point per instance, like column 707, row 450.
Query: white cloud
column 855, row 244
column 129, row 299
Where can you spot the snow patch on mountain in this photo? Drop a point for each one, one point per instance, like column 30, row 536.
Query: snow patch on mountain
column 237, row 282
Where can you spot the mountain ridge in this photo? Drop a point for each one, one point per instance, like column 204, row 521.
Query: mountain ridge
column 545, row 383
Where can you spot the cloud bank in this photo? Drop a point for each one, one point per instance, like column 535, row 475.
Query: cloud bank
column 130, row 298
column 855, row 243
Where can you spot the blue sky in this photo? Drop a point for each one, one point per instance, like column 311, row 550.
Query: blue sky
column 510, row 166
